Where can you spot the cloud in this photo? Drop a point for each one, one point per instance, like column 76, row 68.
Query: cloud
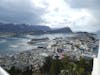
column 91, row 4
column 78, row 14
column 92, row 7
column 69, row 13
column 20, row 11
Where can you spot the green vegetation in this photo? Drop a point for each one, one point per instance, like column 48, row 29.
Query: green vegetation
column 66, row 66
column 16, row 71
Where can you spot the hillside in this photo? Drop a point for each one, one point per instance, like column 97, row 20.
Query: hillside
column 19, row 28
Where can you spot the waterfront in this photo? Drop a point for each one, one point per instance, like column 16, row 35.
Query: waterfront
column 19, row 43
column 30, row 50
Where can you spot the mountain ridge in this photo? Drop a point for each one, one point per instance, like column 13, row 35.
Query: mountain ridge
column 17, row 28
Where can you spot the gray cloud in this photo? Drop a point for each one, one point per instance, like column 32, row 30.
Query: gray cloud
column 93, row 7
column 20, row 11
column 91, row 4
column 25, row 11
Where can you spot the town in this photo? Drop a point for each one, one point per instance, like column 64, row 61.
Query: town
column 80, row 45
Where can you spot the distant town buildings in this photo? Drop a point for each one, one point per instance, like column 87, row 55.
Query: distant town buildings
column 75, row 47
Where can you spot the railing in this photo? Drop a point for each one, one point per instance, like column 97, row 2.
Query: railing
column 3, row 72
column 96, row 64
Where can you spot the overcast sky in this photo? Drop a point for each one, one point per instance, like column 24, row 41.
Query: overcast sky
column 78, row 14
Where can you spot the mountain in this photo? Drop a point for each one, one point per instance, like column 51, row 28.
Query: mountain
column 35, row 29
column 21, row 28
column 61, row 30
